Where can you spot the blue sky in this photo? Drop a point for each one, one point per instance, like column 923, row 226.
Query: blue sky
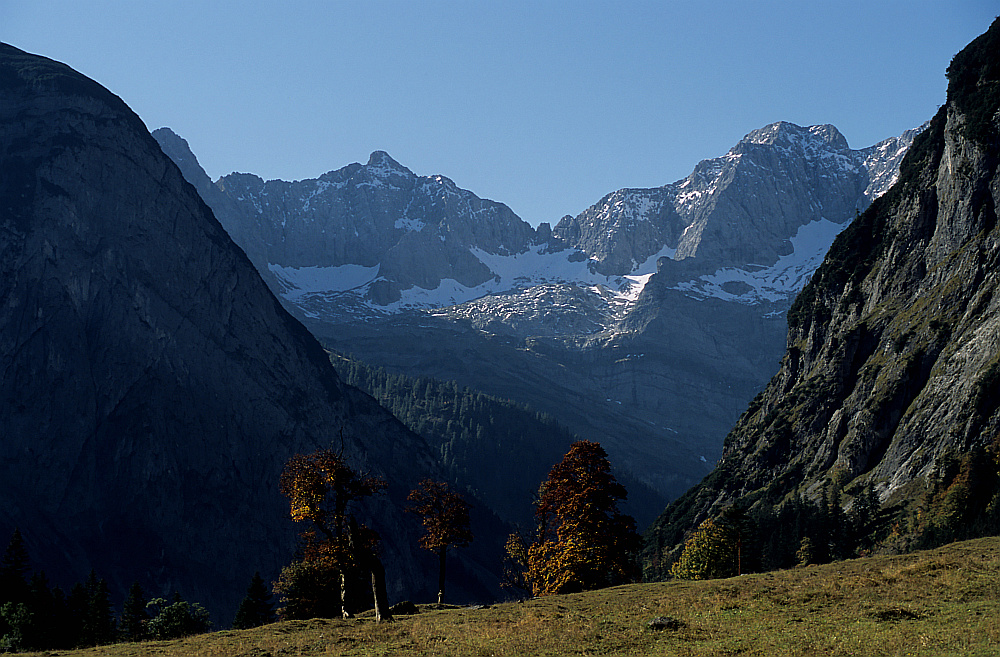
column 545, row 106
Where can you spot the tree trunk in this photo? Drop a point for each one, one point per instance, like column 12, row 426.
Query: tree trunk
column 441, row 570
column 382, row 613
column 368, row 560
column 343, row 595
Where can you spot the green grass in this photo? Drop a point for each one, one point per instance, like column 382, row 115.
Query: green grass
column 939, row 602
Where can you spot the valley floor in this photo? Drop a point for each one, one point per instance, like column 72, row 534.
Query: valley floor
column 939, row 602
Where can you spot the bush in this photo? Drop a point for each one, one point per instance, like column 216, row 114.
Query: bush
column 176, row 620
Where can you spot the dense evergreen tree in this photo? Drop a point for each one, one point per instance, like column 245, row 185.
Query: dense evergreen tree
column 14, row 570
column 99, row 619
column 256, row 608
column 48, row 609
column 77, row 605
column 132, row 625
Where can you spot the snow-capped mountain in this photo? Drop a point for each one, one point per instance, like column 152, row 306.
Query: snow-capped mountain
column 748, row 227
column 742, row 208
column 373, row 240
column 647, row 322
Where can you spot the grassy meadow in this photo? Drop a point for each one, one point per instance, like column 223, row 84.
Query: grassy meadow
column 939, row 602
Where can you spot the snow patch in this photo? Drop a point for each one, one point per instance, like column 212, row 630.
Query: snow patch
column 301, row 281
column 778, row 282
column 410, row 224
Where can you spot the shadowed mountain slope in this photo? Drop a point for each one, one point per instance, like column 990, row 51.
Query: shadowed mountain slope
column 152, row 386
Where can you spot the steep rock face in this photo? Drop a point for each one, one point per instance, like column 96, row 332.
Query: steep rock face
column 244, row 231
column 740, row 208
column 152, row 387
column 893, row 356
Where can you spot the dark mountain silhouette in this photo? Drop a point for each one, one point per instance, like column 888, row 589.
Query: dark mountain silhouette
column 152, row 386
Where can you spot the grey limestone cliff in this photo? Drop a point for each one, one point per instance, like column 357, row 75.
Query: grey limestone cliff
column 417, row 230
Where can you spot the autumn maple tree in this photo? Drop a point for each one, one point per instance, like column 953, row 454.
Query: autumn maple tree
column 320, row 487
column 582, row 541
column 445, row 516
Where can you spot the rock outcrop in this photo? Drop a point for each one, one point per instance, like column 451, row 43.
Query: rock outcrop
column 893, row 354
column 152, row 386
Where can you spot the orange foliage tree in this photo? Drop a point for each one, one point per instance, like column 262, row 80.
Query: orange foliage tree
column 582, row 541
column 320, row 487
column 445, row 516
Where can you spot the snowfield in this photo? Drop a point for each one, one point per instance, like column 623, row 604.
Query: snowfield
column 783, row 280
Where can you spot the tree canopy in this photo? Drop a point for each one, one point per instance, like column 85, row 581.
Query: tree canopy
column 445, row 516
column 582, row 541
column 320, row 487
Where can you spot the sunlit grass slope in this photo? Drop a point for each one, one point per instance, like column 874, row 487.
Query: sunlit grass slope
column 940, row 602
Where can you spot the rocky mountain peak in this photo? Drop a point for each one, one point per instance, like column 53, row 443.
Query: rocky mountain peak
column 381, row 165
column 807, row 139
column 739, row 209
column 177, row 149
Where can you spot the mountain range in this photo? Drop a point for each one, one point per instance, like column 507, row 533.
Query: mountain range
column 647, row 322
column 158, row 370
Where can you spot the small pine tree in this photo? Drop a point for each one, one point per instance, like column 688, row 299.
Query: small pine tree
column 134, row 617
column 14, row 569
column 805, row 554
column 47, row 611
column 99, row 619
column 76, row 614
column 256, row 608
